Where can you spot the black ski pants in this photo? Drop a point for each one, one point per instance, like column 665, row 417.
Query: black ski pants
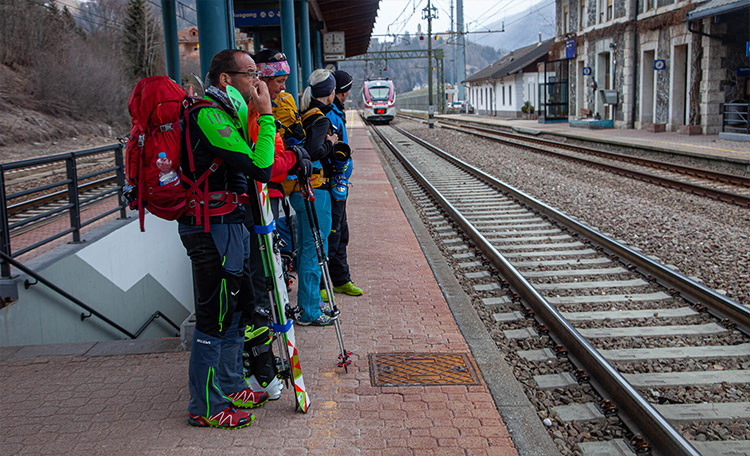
column 338, row 240
column 218, row 293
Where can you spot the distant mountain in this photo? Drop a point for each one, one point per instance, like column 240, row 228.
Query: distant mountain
column 410, row 73
column 521, row 29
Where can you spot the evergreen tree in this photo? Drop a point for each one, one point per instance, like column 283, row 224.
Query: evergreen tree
column 139, row 44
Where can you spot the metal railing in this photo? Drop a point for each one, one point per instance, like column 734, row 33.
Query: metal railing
column 68, row 189
column 735, row 118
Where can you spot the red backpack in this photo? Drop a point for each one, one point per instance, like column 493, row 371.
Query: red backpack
column 156, row 106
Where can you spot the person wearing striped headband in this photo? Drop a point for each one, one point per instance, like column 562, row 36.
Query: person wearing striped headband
column 273, row 69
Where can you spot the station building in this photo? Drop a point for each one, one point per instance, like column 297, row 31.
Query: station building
column 661, row 65
column 674, row 65
column 503, row 88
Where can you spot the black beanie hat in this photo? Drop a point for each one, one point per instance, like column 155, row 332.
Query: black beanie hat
column 343, row 81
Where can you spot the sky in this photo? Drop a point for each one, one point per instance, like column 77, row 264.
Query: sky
column 404, row 15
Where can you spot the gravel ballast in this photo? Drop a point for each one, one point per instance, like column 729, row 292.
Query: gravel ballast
column 704, row 239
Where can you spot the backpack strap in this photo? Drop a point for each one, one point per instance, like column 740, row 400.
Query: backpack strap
column 198, row 199
column 311, row 116
column 190, row 104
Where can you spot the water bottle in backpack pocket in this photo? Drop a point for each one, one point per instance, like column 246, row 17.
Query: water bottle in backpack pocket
column 167, row 175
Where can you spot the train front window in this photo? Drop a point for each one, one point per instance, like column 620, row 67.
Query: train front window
column 379, row 93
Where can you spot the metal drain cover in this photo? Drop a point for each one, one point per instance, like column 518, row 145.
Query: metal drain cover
column 399, row 369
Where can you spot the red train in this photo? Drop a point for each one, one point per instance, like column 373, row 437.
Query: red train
column 379, row 100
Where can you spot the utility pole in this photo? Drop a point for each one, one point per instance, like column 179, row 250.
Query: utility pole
column 453, row 58
column 461, row 60
column 429, row 13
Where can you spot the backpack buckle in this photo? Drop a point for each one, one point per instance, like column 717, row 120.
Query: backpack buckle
column 165, row 128
column 214, row 166
column 141, row 140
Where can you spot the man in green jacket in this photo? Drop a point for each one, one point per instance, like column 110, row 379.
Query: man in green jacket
column 223, row 294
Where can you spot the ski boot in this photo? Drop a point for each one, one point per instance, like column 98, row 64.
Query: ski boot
column 342, row 171
column 261, row 363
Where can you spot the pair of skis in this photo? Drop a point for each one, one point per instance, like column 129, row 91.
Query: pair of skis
column 283, row 313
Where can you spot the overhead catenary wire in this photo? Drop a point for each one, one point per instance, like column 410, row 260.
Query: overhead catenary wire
column 114, row 25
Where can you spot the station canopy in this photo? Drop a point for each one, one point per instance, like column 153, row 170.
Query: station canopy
column 355, row 18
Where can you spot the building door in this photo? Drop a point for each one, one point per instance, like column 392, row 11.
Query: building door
column 647, row 88
column 678, row 96
column 580, row 90
column 604, row 82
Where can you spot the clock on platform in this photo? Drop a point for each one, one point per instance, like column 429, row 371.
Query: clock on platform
column 334, row 47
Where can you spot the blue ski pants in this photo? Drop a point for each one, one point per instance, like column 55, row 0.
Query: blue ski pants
column 223, row 303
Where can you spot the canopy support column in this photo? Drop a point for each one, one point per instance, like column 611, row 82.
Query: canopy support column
column 171, row 49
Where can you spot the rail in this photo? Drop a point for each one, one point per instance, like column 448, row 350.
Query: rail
column 650, row 422
column 735, row 118
column 71, row 191
column 92, row 312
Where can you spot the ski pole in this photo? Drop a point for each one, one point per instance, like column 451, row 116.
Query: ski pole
column 332, row 310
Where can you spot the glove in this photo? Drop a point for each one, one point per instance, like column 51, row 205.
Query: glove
column 303, row 167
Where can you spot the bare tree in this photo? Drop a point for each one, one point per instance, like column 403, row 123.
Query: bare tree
column 141, row 39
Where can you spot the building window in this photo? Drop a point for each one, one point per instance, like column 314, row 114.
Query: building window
column 582, row 15
column 565, row 20
column 503, row 89
column 602, row 8
column 610, row 9
column 510, row 96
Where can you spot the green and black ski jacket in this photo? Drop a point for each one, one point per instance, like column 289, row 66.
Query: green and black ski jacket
column 217, row 132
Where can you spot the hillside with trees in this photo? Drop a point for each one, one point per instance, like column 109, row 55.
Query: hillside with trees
column 68, row 69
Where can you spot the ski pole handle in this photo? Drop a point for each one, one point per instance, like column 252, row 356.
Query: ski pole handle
column 305, row 189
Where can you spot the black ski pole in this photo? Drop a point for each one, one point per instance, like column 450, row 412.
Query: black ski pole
column 332, row 310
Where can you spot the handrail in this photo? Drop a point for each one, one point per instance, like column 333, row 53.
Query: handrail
column 79, row 303
column 71, row 187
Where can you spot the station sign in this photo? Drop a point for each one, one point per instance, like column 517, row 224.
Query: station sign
column 743, row 71
column 587, row 71
column 570, row 48
column 747, row 49
column 257, row 17
column 660, row 64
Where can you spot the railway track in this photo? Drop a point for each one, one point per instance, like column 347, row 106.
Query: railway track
column 31, row 214
column 38, row 189
column 727, row 187
column 624, row 354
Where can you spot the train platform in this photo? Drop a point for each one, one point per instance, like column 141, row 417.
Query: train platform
column 411, row 326
column 712, row 148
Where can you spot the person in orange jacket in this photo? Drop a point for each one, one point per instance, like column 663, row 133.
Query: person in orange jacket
column 261, row 369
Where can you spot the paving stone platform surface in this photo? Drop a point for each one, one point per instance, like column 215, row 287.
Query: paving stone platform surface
column 131, row 397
